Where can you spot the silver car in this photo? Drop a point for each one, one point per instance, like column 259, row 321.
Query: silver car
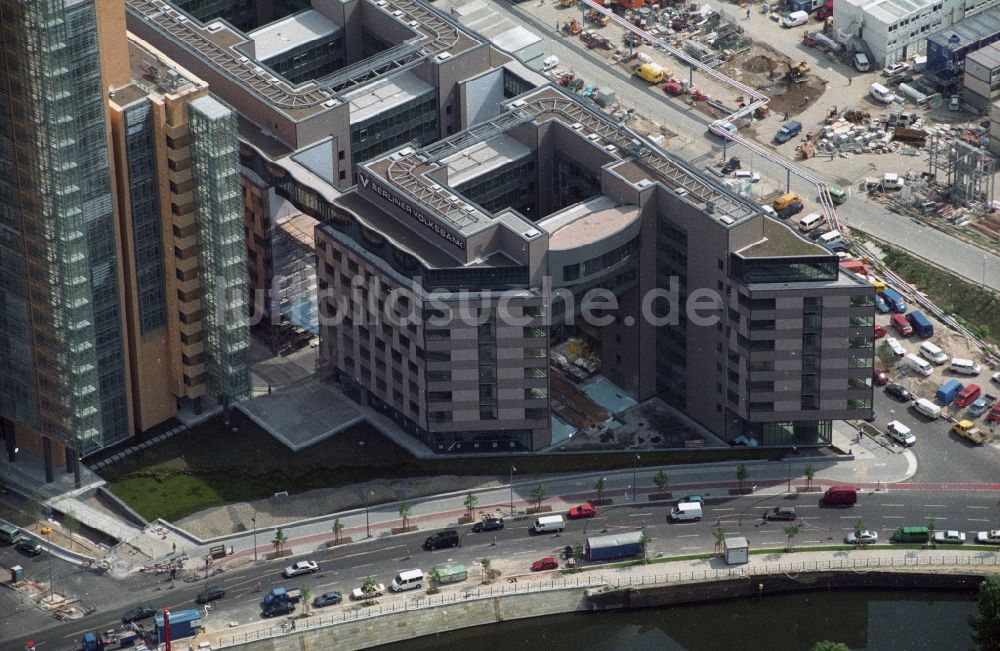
column 866, row 537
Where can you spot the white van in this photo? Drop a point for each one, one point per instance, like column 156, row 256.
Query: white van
column 831, row 237
column 927, row 408
column 965, row 366
column 921, row 366
column 932, row 353
column 548, row 523
column 794, row 19
column 407, row 580
column 881, row 93
column 686, row 511
column 891, row 181
column 900, row 433
column 810, row 221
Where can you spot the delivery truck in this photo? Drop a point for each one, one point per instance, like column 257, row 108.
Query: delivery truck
column 602, row 548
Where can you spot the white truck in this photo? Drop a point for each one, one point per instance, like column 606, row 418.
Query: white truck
column 358, row 594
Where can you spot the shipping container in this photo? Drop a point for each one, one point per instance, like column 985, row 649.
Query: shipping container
column 450, row 573
column 602, row 548
column 183, row 623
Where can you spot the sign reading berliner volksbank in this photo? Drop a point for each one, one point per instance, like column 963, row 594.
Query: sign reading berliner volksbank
column 367, row 184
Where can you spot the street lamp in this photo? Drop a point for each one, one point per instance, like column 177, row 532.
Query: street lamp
column 368, row 530
column 794, row 451
column 512, row 470
column 635, row 490
column 45, row 531
column 253, row 518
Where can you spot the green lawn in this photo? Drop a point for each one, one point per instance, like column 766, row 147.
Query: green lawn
column 211, row 465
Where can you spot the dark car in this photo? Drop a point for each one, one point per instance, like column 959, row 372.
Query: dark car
column 29, row 546
column 817, row 233
column 791, row 209
column 731, row 165
column 211, row 593
column 488, row 524
column 780, row 513
column 137, row 613
column 278, row 608
column 441, row 539
column 899, row 392
column 327, row 599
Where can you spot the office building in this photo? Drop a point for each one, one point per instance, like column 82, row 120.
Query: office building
column 784, row 346
column 96, row 322
column 328, row 87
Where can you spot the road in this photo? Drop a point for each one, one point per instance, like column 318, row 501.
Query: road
column 345, row 568
column 691, row 144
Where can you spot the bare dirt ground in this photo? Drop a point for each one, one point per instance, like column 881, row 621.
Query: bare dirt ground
column 764, row 68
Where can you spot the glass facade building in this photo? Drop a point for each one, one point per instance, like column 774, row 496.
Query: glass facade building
column 215, row 162
column 62, row 366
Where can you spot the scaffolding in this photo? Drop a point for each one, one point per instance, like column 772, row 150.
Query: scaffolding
column 964, row 169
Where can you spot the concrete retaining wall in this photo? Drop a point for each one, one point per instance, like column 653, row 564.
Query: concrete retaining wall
column 395, row 627
column 400, row 626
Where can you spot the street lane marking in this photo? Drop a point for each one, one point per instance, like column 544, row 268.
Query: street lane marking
column 690, row 547
column 639, row 515
column 935, row 506
column 891, row 505
column 730, row 508
column 687, row 535
column 365, row 565
column 373, row 551
column 978, row 519
column 893, row 517
column 977, row 507
column 849, row 517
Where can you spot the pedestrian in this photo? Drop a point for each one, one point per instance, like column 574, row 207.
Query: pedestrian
column 748, row 13
column 557, row 25
column 175, row 548
column 850, row 80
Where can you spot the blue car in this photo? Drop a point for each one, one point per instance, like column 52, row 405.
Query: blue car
column 880, row 305
column 979, row 407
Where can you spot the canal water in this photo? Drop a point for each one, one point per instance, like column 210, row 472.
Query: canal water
column 863, row 620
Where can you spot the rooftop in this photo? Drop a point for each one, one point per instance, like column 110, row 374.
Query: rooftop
column 969, row 30
column 588, row 222
column 289, row 33
column 988, row 57
column 377, row 97
column 779, row 240
column 482, row 158
column 299, row 227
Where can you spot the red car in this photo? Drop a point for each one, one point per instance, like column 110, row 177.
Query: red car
column 585, row 510
column 901, row 325
column 879, row 331
column 967, row 395
column 994, row 416
column 880, row 378
column 547, row 563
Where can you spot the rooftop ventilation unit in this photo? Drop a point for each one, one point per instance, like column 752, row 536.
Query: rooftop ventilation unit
column 709, row 207
column 181, row 19
column 593, row 137
column 681, row 191
column 406, row 151
column 452, row 198
column 414, row 24
column 258, row 69
column 644, row 183
column 468, row 209
column 436, row 187
column 576, row 125
column 531, row 232
column 397, row 13
column 444, row 56
column 244, row 59
column 726, row 219
column 330, row 103
column 518, row 103
column 610, row 148
column 214, row 27
column 381, row 3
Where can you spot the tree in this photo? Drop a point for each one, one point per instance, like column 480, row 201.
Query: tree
column 720, row 539
column 279, row 540
column 338, row 526
column 599, row 487
column 741, row 475
column 538, row 494
column 859, row 526
column 661, row 480
column 644, row 540
column 368, row 588
column 577, row 551
column 470, row 503
column 306, row 603
column 791, row 531
column 810, row 472
column 435, row 579
column 404, row 512
column 485, row 562
column 931, row 526
column 70, row 524
column 827, row 645
column 986, row 625
column 983, row 331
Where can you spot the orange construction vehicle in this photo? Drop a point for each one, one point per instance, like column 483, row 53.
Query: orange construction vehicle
column 572, row 27
column 597, row 17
